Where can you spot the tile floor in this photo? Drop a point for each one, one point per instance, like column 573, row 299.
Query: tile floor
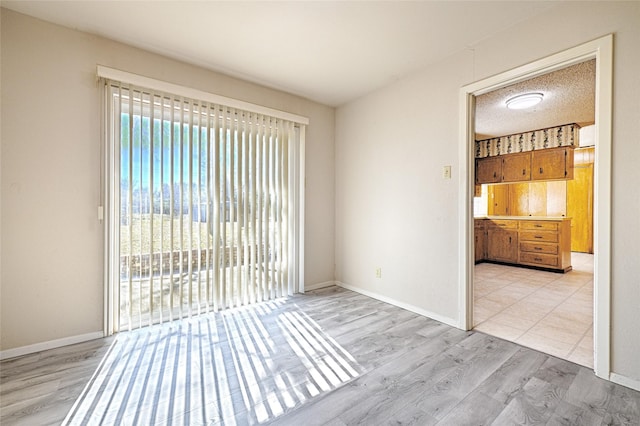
column 546, row 311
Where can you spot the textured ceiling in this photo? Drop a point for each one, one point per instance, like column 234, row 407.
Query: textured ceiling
column 569, row 97
column 328, row 51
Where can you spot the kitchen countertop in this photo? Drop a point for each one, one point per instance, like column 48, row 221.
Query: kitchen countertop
column 523, row 217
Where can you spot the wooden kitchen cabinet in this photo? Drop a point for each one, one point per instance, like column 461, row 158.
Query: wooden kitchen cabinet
column 557, row 198
column 488, row 170
column 552, row 163
column 519, row 198
column 580, row 200
column 537, row 199
column 498, row 199
column 548, row 198
column 542, row 164
column 502, row 241
column 479, row 240
column 545, row 244
column 516, row 167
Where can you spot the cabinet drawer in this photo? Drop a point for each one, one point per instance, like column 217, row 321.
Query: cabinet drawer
column 504, row 224
column 539, row 259
column 539, row 248
column 539, row 225
column 545, row 237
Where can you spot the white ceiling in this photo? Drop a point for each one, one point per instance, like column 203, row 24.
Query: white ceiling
column 569, row 97
column 332, row 52
column 329, row 52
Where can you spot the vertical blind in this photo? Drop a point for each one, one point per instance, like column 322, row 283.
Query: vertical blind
column 202, row 205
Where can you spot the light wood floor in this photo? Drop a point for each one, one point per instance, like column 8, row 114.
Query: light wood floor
column 329, row 357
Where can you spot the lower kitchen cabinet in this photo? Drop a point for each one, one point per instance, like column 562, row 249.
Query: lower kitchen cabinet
column 502, row 240
column 525, row 241
column 479, row 240
column 546, row 244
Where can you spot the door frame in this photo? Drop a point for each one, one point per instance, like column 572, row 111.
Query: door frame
column 601, row 50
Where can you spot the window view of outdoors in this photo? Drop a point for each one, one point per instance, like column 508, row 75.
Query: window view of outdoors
column 202, row 217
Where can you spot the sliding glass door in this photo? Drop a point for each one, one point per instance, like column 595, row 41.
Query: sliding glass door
column 201, row 206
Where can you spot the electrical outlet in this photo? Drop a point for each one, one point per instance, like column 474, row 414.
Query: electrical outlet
column 446, row 172
column 378, row 272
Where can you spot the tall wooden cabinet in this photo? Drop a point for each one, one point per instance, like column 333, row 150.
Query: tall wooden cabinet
column 580, row 200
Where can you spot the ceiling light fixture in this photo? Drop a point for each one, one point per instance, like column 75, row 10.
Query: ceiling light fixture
column 524, row 101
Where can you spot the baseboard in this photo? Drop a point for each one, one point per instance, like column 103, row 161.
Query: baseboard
column 625, row 381
column 310, row 287
column 51, row 344
column 407, row 306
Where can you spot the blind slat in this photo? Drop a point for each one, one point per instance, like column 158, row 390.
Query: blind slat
column 151, row 211
column 130, row 208
column 161, row 230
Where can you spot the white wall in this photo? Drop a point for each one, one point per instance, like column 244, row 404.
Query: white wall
column 394, row 210
column 52, row 241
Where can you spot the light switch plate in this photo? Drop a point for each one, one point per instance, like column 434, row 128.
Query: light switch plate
column 446, row 172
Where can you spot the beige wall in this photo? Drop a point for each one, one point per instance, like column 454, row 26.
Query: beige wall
column 52, row 241
column 394, row 210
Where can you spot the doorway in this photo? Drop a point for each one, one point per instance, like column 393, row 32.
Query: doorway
column 601, row 51
column 541, row 309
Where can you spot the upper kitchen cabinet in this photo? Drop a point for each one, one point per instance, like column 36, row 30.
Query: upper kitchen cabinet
column 536, row 155
column 516, row 167
column 552, row 164
column 543, row 164
column 489, row 170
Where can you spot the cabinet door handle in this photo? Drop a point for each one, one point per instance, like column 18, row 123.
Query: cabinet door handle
column 524, row 172
column 494, row 174
column 537, row 248
column 537, row 259
column 541, row 170
column 509, row 240
column 537, row 225
column 538, row 237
